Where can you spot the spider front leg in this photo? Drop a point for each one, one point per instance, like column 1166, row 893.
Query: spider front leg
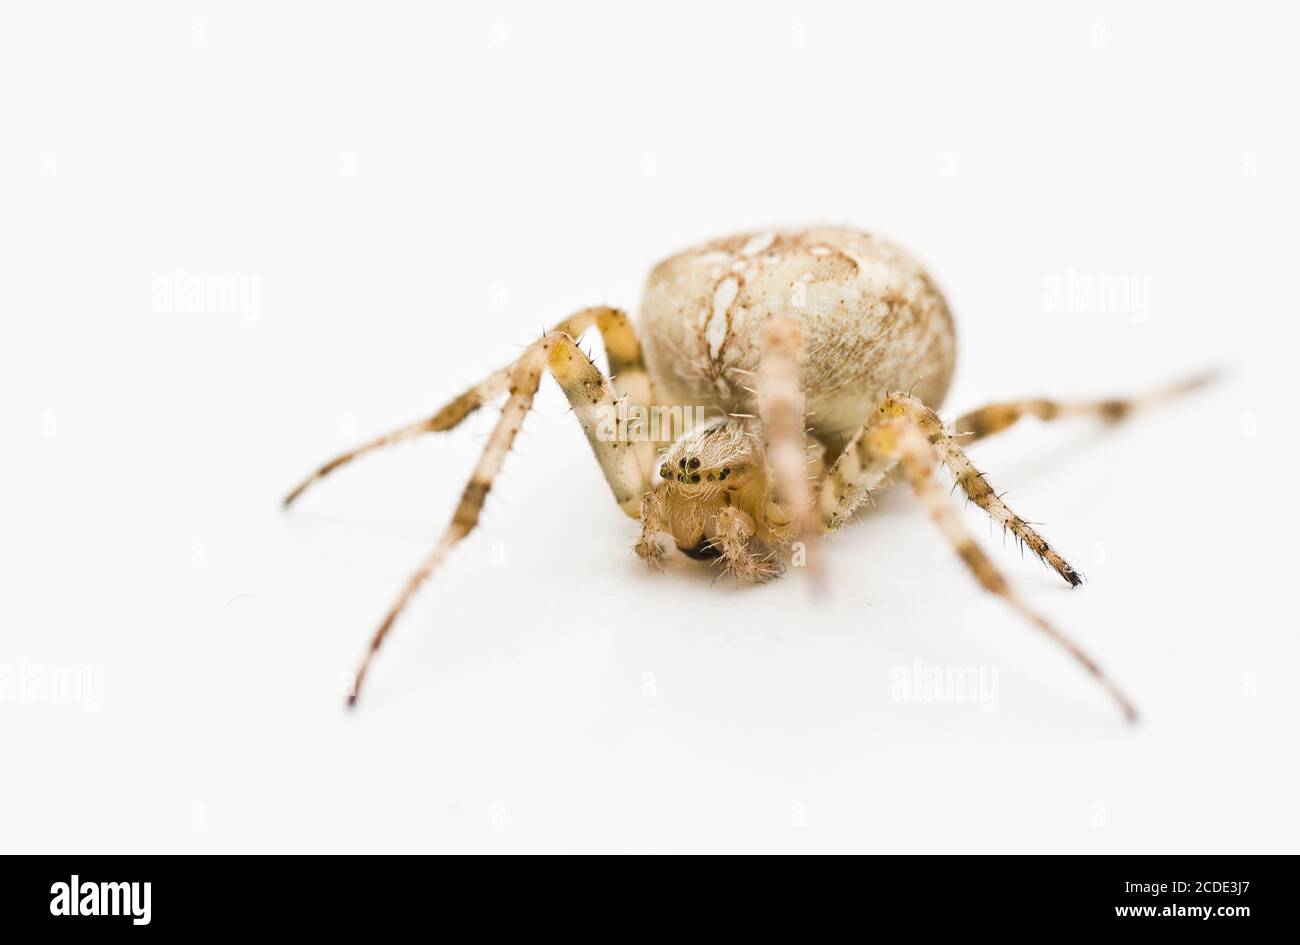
column 734, row 529
column 629, row 378
column 858, row 470
column 649, row 546
column 902, row 439
column 781, row 413
column 593, row 399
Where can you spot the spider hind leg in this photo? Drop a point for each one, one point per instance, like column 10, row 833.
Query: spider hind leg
column 996, row 417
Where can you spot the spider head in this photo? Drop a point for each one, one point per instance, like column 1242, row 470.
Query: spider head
column 705, row 472
column 715, row 458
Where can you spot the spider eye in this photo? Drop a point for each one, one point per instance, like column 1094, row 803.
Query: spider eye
column 663, row 470
column 726, row 471
column 693, row 464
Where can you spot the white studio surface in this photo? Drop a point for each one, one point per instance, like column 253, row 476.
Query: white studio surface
column 379, row 203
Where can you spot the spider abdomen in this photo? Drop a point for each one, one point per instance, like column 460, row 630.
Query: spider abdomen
column 873, row 322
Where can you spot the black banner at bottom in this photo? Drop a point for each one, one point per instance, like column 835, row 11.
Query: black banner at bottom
column 139, row 895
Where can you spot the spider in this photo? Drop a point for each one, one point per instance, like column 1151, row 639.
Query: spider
column 817, row 357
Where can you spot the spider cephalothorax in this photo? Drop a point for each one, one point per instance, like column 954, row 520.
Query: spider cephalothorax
column 715, row 453
column 821, row 355
column 710, row 479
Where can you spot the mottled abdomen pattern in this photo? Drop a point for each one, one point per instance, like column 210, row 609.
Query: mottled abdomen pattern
column 873, row 322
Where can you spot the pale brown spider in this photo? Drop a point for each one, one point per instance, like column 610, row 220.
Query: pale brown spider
column 799, row 344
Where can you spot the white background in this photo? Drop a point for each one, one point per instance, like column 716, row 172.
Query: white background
column 412, row 192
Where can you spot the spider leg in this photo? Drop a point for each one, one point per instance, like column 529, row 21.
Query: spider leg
column 626, row 365
column 648, row 546
column 734, row 530
column 854, row 474
column 993, row 418
column 445, row 419
column 781, row 413
column 918, row 459
column 591, row 395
